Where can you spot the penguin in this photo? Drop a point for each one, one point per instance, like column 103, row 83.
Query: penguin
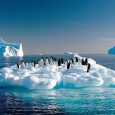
column 88, row 67
column 86, row 61
column 82, row 62
column 41, row 62
column 51, row 60
column 46, row 61
column 27, row 64
column 23, row 65
column 36, row 65
column 59, row 62
column 62, row 61
column 33, row 63
column 76, row 59
column 18, row 65
column 68, row 65
column 55, row 61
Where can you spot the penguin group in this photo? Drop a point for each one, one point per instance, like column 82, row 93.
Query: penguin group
column 85, row 62
column 52, row 60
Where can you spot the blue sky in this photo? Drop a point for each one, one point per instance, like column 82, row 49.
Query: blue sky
column 56, row 26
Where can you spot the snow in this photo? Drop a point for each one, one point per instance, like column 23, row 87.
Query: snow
column 10, row 49
column 51, row 76
column 111, row 50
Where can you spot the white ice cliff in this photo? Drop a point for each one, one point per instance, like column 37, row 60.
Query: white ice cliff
column 52, row 76
column 10, row 49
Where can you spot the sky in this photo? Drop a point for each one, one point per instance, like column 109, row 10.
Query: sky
column 56, row 26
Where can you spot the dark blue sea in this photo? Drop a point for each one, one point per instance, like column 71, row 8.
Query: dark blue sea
column 81, row 101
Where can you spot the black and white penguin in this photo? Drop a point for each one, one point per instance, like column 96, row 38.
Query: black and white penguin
column 51, row 60
column 62, row 61
column 33, row 63
column 46, row 61
column 68, row 65
column 59, row 62
column 41, row 62
column 88, row 67
column 86, row 61
column 36, row 65
column 18, row 65
column 82, row 62
column 23, row 64
column 76, row 59
column 54, row 59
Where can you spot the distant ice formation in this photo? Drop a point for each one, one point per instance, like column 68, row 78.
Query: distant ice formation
column 10, row 49
column 111, row 50
column 51, row 76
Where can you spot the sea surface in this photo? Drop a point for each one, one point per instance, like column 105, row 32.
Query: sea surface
column 81, row 101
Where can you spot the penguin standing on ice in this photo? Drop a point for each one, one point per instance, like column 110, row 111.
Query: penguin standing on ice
column 82, row 62
column 76, row 59
column 36, row 65
column 88, row 67
column 59, row 62
column 86, row 61
column 51, row 60
column 18, row 65
column 62, row 61
column 46, row 61
column 33, row 63
column 23, row 65
column 41, row 62
column 68, row 65
column 55, row 61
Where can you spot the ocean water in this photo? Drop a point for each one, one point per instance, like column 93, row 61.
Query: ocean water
column 93, row 100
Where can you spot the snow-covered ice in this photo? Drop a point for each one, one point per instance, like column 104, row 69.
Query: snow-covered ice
column 10, row 49
column 51, row 76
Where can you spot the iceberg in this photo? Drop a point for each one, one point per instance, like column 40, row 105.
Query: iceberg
column 111, row 50
column 10, row 49
column 52, row 76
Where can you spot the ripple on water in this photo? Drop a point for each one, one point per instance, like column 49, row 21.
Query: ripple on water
column 65, row 101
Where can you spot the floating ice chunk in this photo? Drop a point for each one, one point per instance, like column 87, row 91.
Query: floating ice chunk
column 112, row 50
column 10, row 49
column 52, row 76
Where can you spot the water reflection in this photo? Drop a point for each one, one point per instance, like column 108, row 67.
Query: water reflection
column 26, row 101
column 77, row 101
